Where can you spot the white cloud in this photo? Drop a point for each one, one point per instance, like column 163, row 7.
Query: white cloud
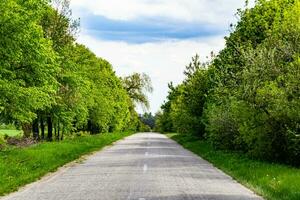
column 216, row 12
column 163, row 62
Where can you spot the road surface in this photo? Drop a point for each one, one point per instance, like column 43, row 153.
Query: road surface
column 144, row 166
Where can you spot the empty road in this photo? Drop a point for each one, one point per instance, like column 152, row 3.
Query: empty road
column 144, row 166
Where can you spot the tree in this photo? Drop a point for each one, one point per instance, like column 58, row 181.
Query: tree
column 252, row 107
column 137, row 85
column 164, row 121
column 247, row 98
column 59, row 26
column 28, row 64
column 184, row 109
column 148, row 119
column 47, row 80
column 111, row 109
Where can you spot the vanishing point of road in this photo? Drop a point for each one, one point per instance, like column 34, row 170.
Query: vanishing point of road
column 144, row 166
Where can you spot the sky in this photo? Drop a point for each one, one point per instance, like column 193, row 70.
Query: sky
column 156, row 37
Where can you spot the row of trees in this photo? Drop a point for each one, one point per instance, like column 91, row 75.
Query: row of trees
column 51, row 84
column 248, row 97
column 148, row 120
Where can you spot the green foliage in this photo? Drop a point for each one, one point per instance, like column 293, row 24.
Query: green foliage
column 2, row 141
column 248, row 97
column 143, row 127
column 164, row 122
column 110, row 111
column 221, row 126
column 27, row 62
column 47, row 79
column 137, row 85
column 148, row 119
column 258, row 109
column 7, row 126
column 184, row 108
column 182, row 119
column 10, row 132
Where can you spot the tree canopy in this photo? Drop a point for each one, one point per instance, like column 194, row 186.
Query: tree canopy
column 247, row 98
column 137, row 85
column 49, row 80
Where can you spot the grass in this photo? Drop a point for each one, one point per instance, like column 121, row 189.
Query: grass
column 19, row 166
column 10, row 132
column 270, row 180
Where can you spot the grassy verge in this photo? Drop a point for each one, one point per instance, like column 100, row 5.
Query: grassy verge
column 10, row 132
column 19, row 166
column 272, row 181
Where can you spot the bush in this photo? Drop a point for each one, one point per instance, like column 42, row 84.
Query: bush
column 221, row 126
column 2, row 140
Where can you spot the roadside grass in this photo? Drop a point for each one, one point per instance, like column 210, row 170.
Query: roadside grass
column 19, row 166
column 270, row 180
column 10, row 132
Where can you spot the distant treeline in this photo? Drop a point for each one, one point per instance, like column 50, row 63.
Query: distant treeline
column 248, row 97
column 49, row 84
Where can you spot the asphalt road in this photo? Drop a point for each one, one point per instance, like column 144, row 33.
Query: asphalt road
column 145, row 166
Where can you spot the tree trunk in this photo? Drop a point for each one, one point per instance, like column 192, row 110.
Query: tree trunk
column 35, row 129
column 26, row 129
column 58, row 138
column 55, row 131
column 89, row 126
column 42, row 128
column 49, row 123
column 62, row 134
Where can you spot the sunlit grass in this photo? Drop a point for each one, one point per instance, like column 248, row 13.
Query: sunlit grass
column 10, row 133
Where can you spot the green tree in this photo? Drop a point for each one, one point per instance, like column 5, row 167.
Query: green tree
column 48, row 80
column 111, row 109
column 28, row 63
column 164, row 122
column 137, row 85
column 59, row 26
column 148, row 119
column 186, row 103
column 248, row 97
column 252, row 107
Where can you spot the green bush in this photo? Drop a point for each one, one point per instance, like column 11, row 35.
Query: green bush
column 2, row 140
column 221, row 127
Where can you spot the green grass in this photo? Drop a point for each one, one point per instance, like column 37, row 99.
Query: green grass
column 10, row 133
column 270, row 180
column 19, row 166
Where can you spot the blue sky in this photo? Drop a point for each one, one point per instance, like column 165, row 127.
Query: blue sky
column 157, row 37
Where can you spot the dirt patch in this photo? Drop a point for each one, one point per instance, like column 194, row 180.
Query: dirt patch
column 20, row 142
